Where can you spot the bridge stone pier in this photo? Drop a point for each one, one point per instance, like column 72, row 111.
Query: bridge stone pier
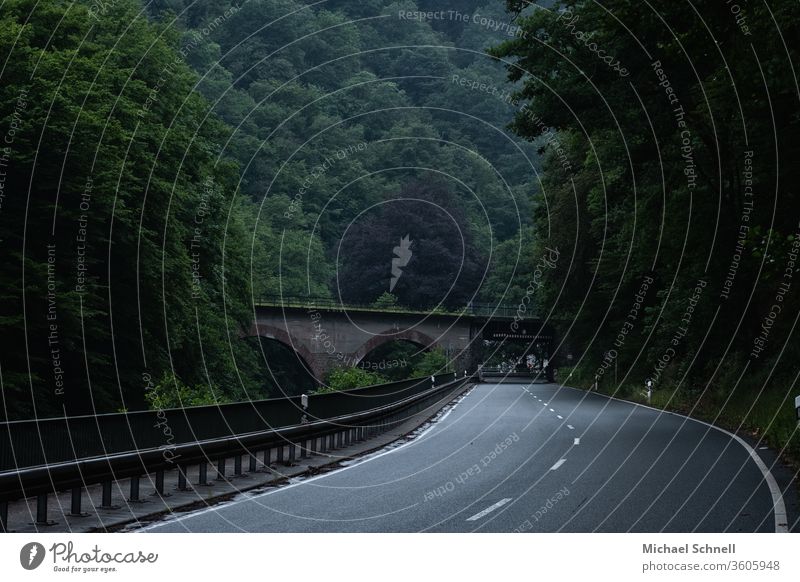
column 327, row 337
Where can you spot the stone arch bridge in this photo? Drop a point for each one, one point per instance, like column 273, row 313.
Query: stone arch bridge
column 324, row 334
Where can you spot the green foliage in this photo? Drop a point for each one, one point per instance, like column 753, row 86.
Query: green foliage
column 346, row 378
column 385, row 300
column 170, row 392
column 178, row 163
column 315, row 132
column 432, row 362
column 133, row 259
column 620, row 235
column 658, row 188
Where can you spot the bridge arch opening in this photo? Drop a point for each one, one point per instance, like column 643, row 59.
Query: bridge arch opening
column 288, row 366
column 397, row 355
column 394, row 359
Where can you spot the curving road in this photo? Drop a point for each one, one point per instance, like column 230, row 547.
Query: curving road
column 521, row 457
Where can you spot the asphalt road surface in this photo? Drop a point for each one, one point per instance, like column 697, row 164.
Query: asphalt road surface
column 521, row 457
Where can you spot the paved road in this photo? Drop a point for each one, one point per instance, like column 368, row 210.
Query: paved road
column 526, row 458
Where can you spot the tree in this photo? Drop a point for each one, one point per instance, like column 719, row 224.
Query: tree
column 347, row 378
column 417, row 245
column 432, row 362
column 663, row 173
column 126, row 253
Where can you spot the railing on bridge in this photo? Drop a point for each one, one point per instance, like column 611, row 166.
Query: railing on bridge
column 330, row 304
column 40, row 457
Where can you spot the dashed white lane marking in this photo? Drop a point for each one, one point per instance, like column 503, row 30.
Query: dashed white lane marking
column 489, row 509
column 551, row 410
column 570, row 427
column 577, row 441
column 559, row 417
column 558, row 464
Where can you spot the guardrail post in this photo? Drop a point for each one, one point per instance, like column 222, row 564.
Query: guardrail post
column 221, row 469
column 331, row 443
column 106, row 499
column 182, row 478
column 41, row 510
column 253, row 462
column 339, row 440
column 267, row 454
column 280, row 454
column 202, row 473
column 292, row 447
column 3, row 516
column 134, row 496
column 75, row 503
column 160, row 484
column 237, row 465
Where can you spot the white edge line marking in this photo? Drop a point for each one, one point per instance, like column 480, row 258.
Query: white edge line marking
column 558, row 464
column 778, row 506
column 366, row 458
column 489, row 509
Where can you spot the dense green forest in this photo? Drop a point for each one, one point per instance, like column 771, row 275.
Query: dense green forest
column 629, row 174
column 174, row 161
column 679, row 212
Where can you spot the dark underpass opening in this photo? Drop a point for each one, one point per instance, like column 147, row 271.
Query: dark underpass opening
column 285, row 372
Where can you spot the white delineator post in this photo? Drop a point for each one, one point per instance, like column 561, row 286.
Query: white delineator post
column 797, row 408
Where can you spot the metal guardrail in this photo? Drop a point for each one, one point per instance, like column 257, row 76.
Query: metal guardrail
column 29, row 443
column 350, row 415
column 329, row 304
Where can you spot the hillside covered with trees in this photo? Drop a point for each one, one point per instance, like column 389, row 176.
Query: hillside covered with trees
column 679, row 214
column 170, row 163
